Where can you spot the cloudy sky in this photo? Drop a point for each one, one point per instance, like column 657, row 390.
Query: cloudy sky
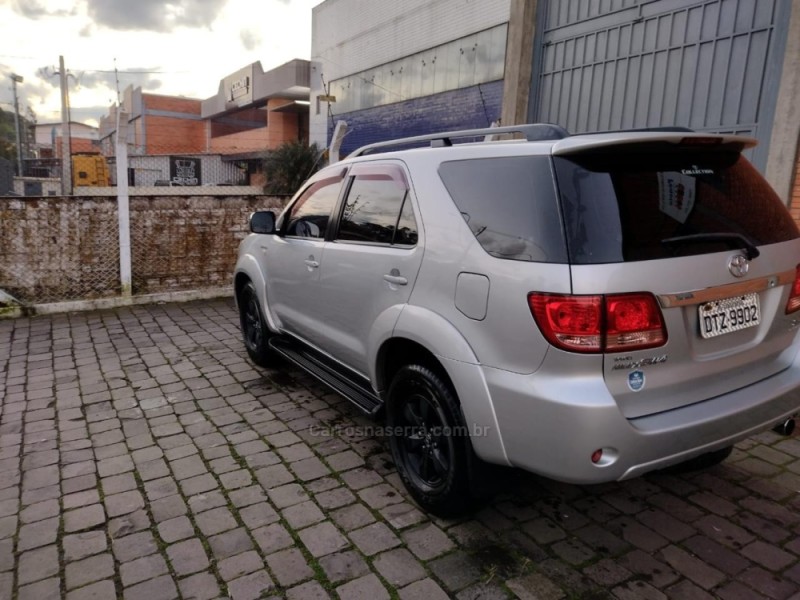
column 176, row 47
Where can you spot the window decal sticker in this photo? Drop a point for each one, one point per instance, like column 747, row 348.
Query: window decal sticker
column 676, row 194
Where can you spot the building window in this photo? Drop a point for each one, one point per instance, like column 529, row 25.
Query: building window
column 474, row 59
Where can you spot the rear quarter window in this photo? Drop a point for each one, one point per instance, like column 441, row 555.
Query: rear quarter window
column 510, row 205
column 621, row 207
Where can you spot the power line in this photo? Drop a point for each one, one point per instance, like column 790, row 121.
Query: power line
column 126, row 71
column 133, row 71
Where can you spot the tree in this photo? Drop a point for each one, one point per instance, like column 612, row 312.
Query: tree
column 29, row 133
column 8, row 143
column 8, row 135
column 289, row 165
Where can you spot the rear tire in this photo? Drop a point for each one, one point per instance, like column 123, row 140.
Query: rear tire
column 429, row 442
column 255, row 332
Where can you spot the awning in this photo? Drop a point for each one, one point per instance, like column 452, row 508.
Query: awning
column 296, row 106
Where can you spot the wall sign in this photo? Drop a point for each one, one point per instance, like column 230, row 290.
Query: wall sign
column 184, row 170
column 237, row 88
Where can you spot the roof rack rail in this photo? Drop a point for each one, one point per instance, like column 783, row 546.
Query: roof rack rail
column 533, row 132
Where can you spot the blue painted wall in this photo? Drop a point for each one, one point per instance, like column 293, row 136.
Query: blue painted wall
column 456, row 109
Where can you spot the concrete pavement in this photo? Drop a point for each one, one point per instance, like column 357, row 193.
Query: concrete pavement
column 143, row 457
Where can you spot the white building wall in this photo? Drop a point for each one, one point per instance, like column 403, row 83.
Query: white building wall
column 44, row 132
column 349, row 36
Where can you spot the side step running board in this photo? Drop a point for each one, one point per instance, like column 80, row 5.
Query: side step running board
column 316, row 365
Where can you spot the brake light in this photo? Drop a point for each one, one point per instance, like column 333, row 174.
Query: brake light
column 569, row 322
column 593, row 324
column 794, row 297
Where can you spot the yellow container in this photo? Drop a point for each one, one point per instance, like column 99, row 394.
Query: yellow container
column 89, row 170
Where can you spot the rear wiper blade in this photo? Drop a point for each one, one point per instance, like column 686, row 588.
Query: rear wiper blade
column 733, row 240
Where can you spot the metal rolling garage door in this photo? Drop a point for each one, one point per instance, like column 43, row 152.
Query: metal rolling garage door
column 711, row 65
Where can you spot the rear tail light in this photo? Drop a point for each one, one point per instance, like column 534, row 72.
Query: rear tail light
column 570, row 322
column 633, row 321
column 794, row 297
column 593, row 324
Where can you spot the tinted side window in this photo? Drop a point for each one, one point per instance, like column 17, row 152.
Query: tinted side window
column 510, row 205
column 406, row 233
column 310, row 214
column 377, row 208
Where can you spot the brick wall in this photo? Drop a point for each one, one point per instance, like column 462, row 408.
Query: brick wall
column 166, row 135
column 76, row 145
column 56, row 249
column 185, row 243
column 171, row 133
column 456, row 109
column 279, row 127
column 172, row 104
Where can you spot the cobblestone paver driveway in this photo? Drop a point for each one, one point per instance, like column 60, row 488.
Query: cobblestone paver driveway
column 143, row 457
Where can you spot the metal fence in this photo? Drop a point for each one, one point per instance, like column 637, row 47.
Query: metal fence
column 155, row 170
column 173, row 223
column 57, row 249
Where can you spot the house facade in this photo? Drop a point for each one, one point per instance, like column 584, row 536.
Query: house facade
column 220, row 140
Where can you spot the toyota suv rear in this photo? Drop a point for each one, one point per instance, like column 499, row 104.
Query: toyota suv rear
column 587, row 307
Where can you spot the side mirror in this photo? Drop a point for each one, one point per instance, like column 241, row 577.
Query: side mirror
column 262, row 221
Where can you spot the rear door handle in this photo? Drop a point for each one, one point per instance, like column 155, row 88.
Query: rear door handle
column 311, row 263
column 395, row 279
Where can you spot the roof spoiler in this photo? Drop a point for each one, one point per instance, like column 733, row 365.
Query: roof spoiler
column 677, row 137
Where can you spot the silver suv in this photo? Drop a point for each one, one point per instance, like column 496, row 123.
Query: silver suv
column 587, row 307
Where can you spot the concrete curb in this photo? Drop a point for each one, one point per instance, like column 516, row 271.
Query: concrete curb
column 115, row 302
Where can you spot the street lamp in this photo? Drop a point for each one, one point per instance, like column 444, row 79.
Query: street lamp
column 15, row 79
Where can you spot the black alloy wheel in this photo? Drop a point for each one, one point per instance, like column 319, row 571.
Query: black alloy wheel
column 428, row 452
column 429, row 441
column 254, row 330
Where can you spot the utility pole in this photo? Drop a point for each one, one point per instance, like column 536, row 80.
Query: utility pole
column 123, row 204
column 15, row 79
column 66, row 152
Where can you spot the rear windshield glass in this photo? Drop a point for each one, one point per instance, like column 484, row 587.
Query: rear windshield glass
column 510, row 206
column 630, row 207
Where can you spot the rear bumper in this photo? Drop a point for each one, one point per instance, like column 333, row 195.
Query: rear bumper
column 552, row 425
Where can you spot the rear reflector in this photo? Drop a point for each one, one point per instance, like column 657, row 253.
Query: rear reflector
column 593, row 324
column 794, row 297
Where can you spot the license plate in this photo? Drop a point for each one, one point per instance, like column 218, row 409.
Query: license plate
column 726, row 316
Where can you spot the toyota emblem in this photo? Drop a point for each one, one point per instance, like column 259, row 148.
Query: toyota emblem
column 738, row 265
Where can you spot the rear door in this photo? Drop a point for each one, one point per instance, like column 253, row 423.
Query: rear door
column 371, row 263
column 700, row 229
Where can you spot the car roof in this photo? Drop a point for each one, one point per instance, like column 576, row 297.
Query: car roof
column 546, row 138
